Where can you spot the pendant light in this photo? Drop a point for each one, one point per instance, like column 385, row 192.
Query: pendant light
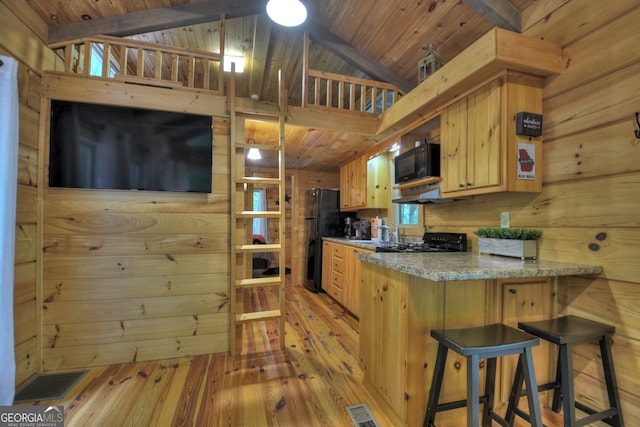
column 254, row 153
column 288, row 13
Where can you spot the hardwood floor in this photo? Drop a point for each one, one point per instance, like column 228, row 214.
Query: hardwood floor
column 310, row 383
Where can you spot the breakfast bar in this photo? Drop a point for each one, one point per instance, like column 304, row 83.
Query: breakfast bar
column 405, row 295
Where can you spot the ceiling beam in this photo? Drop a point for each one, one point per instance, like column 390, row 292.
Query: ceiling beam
column 155, row 19
column 355, row 57
column 498, row 12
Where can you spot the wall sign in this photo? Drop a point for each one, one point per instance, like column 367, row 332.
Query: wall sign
column 526, row 161
column 528, row 124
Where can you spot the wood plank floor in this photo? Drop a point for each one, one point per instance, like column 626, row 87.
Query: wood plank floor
column 310, row 383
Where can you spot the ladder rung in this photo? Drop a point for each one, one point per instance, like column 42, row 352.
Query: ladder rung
column 268, row 147
column 257, row 315
column 258, row 214
column 259, row 281
column 258, row 180
column 269, row 247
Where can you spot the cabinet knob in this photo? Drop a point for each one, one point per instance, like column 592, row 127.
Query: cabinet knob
column 469, row 184
column 513, row 291
column 460, row 185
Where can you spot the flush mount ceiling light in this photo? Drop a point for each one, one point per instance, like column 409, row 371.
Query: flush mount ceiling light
column 288, row 13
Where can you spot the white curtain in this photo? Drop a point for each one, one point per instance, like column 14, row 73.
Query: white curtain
column 8, row 189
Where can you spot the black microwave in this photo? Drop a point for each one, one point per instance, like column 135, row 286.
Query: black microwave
column 420, row 162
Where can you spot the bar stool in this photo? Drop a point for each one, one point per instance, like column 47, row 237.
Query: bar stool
column 566, row 332
column 484, row 342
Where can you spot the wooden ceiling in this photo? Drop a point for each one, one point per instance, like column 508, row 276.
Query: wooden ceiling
column 380, row 39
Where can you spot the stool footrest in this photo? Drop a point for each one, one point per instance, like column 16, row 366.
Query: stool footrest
column 441, row 407
column 595, row 415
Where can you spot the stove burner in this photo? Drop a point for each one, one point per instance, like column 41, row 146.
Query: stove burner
column 431, row 242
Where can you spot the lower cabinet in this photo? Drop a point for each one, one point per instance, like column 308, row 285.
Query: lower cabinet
column 341, row 274
column 397, row 353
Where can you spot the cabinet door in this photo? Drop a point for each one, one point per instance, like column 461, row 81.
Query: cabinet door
column 484, row 158
column 359, row 182
column 453, row 136
column 345, row 183
column 378, row 188
column 351, row 289
column 327, row 254
column 527, row 300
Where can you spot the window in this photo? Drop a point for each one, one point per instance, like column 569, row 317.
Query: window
column 260, row 225
column 96, row 62
column 408, row 214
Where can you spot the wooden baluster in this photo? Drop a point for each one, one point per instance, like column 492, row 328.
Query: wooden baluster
column 158, row 65
column 341, row 94
column 174, row 67
column 352, row 96
column 206, row 65
column 329, row 93
column 123, row 60
column 316, row 91
column 87, row 57
column 140, row 67
column 191, row 71
column 68, row 58
column 363, row 98
column 105, row 60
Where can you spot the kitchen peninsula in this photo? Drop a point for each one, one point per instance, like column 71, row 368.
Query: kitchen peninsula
column 404, row 296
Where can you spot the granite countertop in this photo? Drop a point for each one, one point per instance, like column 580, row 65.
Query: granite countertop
column 364, row 244
column 439, row 267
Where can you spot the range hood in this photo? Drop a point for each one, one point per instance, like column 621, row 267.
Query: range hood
column 421, row 195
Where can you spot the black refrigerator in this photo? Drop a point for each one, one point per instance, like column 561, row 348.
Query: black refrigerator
column 322, row 219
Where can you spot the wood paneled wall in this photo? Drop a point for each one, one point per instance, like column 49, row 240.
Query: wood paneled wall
column 18, row 41
column 588, row 210
column 133, row 276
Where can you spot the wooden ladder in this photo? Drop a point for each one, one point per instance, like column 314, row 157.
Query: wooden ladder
column 243, row 284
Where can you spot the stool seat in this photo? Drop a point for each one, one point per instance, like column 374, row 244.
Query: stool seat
column 566, row 332
column 484, row 339
column 483, row 342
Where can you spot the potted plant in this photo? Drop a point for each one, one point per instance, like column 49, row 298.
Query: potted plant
column 514, row 242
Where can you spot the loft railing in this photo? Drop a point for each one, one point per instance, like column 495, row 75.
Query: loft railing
column 147, row 63
column 347, row 93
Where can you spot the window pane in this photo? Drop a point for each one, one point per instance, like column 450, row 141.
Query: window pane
column 408, row 214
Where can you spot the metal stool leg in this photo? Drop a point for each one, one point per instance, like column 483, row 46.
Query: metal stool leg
column 566, row 388
column 612, row 384
column 436, row 385
column 473, row 391
column 489, row 391
column 526, row 360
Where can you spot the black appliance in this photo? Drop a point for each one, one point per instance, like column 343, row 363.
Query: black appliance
column 420, row 162
column 322, row 219
column 431, row 242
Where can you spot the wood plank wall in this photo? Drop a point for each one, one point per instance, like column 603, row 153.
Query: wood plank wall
column 589, row 208
column 18, row 41
column 133, row 276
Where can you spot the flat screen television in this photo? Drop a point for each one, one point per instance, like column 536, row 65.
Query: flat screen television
column 124, row 148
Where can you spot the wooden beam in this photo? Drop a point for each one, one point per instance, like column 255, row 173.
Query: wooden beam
column 498, row 12
column 155, row 19
column 355, row 57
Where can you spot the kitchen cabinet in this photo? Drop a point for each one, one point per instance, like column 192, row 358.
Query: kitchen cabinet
column 480, row 151
column 364, row 184
column 341, row 274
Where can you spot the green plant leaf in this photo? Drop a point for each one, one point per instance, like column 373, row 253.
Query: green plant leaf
column 509, row 233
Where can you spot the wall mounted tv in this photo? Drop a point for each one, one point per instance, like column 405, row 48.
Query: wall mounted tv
column 123, row 148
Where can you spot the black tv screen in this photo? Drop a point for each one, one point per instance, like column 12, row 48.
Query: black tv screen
column 123, row 148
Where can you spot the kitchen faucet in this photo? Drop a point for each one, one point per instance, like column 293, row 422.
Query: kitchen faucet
column 392, row 233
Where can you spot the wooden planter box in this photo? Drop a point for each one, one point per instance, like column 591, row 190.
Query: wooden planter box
column 507, row 247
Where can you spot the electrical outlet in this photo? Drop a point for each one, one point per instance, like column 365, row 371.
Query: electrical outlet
column 505, row 221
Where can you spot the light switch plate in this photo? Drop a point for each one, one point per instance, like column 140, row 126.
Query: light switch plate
column 505, row 221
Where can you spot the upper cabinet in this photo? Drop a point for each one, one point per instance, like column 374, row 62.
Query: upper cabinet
column 364, row 184
column 480, row 150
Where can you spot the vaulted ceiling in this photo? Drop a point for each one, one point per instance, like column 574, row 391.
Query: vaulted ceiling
column 379, row 39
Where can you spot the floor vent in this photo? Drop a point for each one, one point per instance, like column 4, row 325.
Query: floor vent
column 361, row 416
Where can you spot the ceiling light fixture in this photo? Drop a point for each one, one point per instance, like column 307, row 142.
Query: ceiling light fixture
column 288, row 13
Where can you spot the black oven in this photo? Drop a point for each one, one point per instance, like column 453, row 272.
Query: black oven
column 420, row 162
